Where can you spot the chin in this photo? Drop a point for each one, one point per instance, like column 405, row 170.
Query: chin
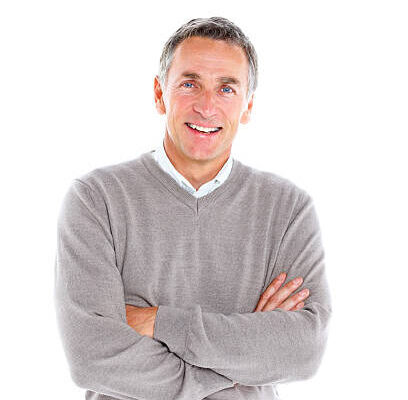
column 207, row 157
column 203, row 153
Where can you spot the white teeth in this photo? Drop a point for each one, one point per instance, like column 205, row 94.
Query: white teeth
column 202, row 129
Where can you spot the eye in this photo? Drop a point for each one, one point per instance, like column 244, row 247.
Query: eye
column 228, row 87
column 187, row 83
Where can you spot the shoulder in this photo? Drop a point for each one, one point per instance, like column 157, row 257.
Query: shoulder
column 113, row 177
column 272, row 185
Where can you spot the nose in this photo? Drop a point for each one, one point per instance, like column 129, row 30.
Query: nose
column 205, row 104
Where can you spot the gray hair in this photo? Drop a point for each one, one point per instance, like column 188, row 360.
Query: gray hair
column 216, row 28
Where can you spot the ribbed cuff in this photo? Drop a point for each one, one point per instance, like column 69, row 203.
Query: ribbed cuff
column 171, row 326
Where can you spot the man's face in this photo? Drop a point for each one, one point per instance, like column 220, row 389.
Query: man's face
column 206, row 87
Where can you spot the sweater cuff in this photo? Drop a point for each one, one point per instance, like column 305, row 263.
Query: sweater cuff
column 171, row 327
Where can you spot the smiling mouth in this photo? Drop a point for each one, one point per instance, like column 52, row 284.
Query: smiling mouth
column 202, row 129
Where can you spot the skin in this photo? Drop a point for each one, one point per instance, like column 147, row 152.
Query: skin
column 141, row 319
column 207, row 100
column 276, row 297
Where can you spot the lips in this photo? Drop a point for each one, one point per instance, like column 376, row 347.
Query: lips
column 203, row 134
column 203, row 125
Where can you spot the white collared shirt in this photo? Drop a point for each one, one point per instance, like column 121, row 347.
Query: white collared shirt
column 161, row 157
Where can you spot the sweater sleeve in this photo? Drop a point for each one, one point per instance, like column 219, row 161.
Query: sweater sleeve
column 262, row 348
column 104, row 353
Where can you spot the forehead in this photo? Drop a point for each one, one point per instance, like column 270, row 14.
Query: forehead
column 209, row 57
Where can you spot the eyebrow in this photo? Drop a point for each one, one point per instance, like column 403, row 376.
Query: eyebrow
column 223, row 79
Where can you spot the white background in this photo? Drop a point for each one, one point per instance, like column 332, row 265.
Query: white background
column 330, row 114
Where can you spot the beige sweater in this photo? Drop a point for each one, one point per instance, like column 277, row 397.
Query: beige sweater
column 128, row 233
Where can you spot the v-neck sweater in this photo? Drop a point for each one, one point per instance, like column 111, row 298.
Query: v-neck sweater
column 195, row 203
column 163, row 160
column 129, row 234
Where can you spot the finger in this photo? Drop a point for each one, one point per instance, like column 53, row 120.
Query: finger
column 270, row 290
column 298, row 306
column 295, row 299
column 282, row 294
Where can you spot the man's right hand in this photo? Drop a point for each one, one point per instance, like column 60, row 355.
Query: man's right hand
column 273, row 297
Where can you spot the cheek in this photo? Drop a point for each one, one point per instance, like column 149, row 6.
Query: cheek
column 233, row 113
column 181, row 100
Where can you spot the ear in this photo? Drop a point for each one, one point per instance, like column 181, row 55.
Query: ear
column 247, row 113
column 158, row 96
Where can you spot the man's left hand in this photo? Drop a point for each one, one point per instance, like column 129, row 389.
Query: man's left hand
column 141, row 319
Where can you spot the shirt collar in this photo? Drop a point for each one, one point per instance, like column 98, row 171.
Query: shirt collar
column 163, row 160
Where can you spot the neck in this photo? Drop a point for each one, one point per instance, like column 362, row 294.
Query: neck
column 197, row 172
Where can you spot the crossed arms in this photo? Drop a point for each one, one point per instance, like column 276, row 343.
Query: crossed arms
column 108, row 356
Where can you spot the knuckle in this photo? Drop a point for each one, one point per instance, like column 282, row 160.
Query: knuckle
column 303, row 293
column 283, row 293
column 296, row 283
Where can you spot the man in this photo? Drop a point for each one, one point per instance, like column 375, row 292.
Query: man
column 171, row 268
